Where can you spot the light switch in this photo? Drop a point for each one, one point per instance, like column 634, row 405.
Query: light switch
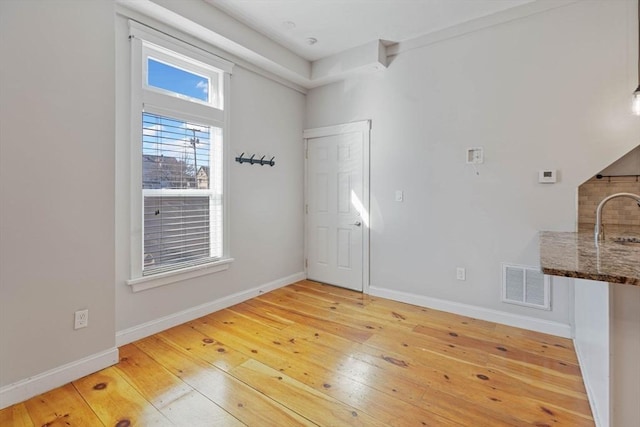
column 399, row 196
column 475, row 156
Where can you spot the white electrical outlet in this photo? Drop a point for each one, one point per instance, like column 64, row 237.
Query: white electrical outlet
column 81, row 319
column 461, row 273
column 399, row 195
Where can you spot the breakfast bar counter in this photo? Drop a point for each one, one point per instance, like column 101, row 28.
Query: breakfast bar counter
column 606, row 313
column 575, row 254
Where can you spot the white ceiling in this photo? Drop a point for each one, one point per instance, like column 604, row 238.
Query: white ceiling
column 339, row 25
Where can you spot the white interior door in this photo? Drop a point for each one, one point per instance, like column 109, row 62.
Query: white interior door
column 337, row 205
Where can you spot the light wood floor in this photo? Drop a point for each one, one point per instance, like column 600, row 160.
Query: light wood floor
column 312, row 354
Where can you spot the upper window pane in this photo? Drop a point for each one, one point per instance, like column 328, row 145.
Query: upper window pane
column 177, row 80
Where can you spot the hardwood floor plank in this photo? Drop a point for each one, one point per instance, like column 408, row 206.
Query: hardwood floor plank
column 490, row 341
column 347, row 313
column 526, row 372
column 201, row 345
column 350, row 298
column 395, row 373
column 570, row 401
column 474, row 382
column 312, row 367
column 375, row 371
column 346, row 359
column 310, row 403
column 322, row 299
column 313, row 317
column 116, row 402
column 16, row 416
column 418, row 344
column 466, row 413
column 177, row 401
column 550, row 340
column 534, row 342
column 498, row 347
column 264, row 317
column 239, row 399
column 61, row 407
column 413, row 314
column 240, row 334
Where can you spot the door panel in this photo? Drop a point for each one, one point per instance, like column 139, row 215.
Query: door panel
column 344, row 248
column 322, row 245
column 335, row 190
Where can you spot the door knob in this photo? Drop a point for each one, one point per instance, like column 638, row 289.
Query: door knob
column 357, row 223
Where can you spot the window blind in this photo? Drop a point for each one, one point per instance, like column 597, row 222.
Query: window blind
column 182, row 217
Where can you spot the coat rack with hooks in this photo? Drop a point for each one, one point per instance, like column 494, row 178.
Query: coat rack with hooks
column 253, row 161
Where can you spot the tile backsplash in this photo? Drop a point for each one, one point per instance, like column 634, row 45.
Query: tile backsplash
column 622, row 211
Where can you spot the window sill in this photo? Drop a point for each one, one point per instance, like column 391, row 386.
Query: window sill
column 161, row 279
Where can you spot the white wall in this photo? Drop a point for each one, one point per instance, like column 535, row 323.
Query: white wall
column 56, row 183
column 551, row 90
column 629, row 164
column 592, row 339
column 625, row 375
column 266, row 219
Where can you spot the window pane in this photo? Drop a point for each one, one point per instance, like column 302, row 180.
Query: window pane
column 176, row 80
column 182, row 226
column 176, row 230
column 175, row 154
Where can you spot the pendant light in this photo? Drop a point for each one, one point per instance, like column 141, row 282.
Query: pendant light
column 635, row 106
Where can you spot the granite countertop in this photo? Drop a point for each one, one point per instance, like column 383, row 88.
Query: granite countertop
column 574, row 254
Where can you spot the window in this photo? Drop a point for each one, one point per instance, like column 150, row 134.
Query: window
column 178, row 131
column 182, row 194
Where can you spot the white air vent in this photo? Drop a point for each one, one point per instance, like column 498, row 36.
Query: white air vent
column 526, row 286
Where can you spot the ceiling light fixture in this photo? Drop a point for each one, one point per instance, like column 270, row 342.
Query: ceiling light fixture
column 635, row 106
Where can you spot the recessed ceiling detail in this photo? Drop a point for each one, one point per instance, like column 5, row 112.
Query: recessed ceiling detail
column 288, row 25
column 337, row 55
column 345, row 24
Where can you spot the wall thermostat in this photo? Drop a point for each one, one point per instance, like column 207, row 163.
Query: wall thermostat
column 547, row 176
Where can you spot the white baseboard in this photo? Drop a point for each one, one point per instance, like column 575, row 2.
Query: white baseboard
column 143, row 330
column 518, row 321
column 41, row 383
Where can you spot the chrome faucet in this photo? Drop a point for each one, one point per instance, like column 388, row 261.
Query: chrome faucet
column 599, row 230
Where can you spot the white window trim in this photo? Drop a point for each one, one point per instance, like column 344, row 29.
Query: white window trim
column 140, row 31
column 168, row 277
column 142, row 100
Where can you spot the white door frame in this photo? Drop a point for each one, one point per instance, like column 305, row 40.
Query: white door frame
column 363, row 127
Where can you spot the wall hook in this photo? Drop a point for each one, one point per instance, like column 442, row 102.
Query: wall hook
column 253, row 161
